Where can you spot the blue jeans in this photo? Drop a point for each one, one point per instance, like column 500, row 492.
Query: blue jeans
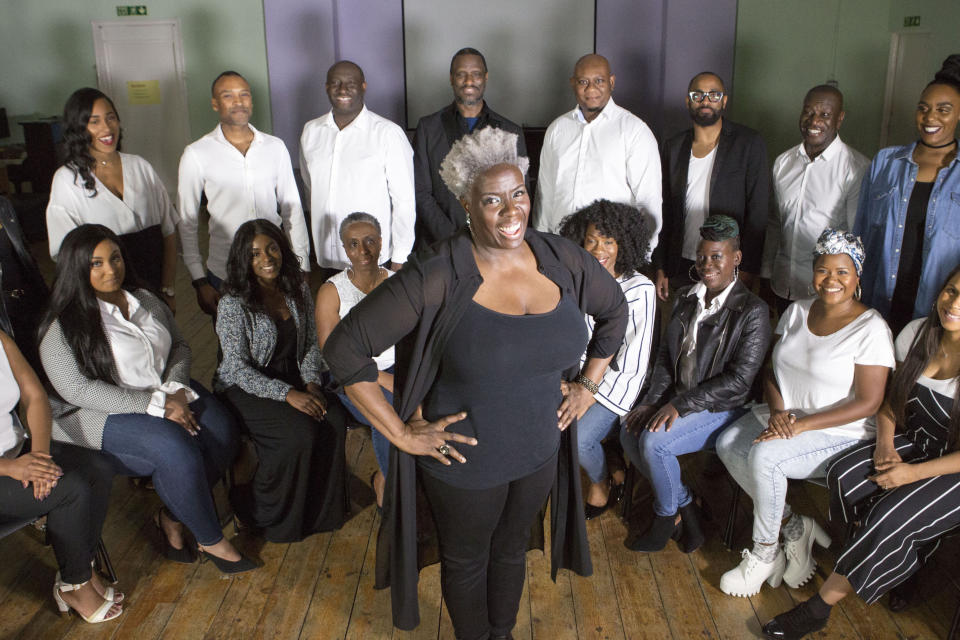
column 655, row 453
column 762, row 469
column 381, row 446
column 592, row 428
column 183, row 467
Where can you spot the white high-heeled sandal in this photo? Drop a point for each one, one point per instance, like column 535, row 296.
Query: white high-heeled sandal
column 100, row 615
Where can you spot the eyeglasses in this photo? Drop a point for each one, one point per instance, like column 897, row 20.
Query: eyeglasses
column 698, row 96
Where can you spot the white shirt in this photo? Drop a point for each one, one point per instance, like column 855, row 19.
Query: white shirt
column 614, row 156
column 688, row 346
column 619, row 388
column 815, row 373
column 811, row 195
column 944, row 386
column 140, row 348
column 697, row 201
column 238, row 188
column 11, row 433
column 145, row 203
column 367, row 166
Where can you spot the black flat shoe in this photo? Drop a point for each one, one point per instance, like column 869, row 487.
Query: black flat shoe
column 794, row 624
column 230, row 566
column 591, row 511
column 183, row 555
column 655, row 537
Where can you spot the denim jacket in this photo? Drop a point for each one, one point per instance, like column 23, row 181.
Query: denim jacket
column 881, row 214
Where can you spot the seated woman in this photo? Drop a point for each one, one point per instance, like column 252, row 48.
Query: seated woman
column 99, row 185
column 113, row 354
column 712, row 350
column 618, row 238
column 914, row 462
column 829, row 368
column 361, row 237
column 68, row 484
column 270, row 374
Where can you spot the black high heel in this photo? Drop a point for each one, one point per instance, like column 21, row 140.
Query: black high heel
column 183, row 555
column 655, row 537
column 229, row 567
column 591, row 511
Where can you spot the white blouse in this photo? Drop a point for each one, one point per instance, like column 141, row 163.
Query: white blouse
column 11, row 433
column 140, row 348
column 145, row 203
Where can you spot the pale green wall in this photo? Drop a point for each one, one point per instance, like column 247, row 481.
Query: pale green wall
column 47, row 51
column 784, row 47
column 939, row 17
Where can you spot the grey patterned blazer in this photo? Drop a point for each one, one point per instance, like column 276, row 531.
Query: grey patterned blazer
column 83, row 405
column 248, row 338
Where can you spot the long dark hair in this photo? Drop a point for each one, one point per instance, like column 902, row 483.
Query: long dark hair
column 925, row 346
column 240, row 280
column 625, row 224
column 74, row 303
column 76, row 138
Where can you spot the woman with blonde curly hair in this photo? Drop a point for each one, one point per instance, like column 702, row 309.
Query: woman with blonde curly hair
column 488, row 326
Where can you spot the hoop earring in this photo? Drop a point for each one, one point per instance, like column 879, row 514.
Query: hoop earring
column 468, row 219
column 859, row 292
column 692, row 273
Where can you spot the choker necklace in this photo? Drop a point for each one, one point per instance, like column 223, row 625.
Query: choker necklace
column 937, row 146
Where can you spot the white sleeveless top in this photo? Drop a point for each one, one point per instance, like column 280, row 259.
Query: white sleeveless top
column 349, row 297
column 11, row 433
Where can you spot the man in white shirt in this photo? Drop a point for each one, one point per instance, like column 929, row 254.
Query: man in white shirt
column 245, row 174
column 715, row 167
column 598, row 150
column 351, row 160
column 816, row 185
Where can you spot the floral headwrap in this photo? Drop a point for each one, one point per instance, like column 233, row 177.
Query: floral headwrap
column 836, row 241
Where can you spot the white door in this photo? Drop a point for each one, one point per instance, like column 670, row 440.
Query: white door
column 140, row 66
column 909, row 69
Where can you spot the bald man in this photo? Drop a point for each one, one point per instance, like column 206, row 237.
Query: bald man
column 598, row 150
column 715, row 167
column 351, row 159
column 816, row 185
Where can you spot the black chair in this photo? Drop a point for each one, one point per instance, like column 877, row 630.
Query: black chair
column 102, row 562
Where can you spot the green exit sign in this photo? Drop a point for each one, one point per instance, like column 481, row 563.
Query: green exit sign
column 132, row 10
column 911, row 21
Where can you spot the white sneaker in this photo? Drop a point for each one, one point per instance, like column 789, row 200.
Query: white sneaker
column 799, row 552
column 746, row 578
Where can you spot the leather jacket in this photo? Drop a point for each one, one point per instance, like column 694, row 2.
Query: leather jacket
column 731, row 347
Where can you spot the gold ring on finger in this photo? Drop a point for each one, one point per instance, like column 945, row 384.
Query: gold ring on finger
column 444, row 450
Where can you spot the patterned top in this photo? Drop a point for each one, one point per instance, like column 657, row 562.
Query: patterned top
column 83, row 405
column 350, row 295
column 248, row 338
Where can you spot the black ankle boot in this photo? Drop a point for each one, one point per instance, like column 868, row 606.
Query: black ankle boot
column 655, row 537
column 692, row 538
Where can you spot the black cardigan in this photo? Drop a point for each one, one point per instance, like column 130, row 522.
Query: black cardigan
column 739, row 188
column 439, row 213
column 417, row 309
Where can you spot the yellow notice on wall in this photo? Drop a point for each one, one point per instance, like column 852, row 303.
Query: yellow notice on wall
column 143, row 92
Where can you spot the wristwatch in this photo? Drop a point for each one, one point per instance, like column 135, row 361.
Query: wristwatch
column 170, row 292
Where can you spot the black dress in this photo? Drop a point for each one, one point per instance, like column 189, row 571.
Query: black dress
column 299, row 487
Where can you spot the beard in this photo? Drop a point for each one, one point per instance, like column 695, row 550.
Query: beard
column 704, row 119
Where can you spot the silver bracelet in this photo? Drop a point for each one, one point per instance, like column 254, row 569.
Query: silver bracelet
column 587, row 383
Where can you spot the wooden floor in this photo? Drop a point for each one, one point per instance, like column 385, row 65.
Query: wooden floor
column 323, row 587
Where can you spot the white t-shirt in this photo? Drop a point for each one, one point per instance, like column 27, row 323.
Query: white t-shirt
column 697, row 202
column 815, row 373
column 945, row 386
column 11, row 433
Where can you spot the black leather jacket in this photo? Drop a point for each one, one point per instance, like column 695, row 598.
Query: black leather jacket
column 731, row 347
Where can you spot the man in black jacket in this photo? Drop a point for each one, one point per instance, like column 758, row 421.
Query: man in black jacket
column 439, row 213
column 716, row 167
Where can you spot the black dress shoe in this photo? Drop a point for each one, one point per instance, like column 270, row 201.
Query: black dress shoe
column 655, row 537
column 794, row 624
column 591, row 511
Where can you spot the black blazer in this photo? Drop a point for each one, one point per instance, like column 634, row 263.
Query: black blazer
column 439, row 213
column 739, row 188
column 417, row 309
column 731, row 347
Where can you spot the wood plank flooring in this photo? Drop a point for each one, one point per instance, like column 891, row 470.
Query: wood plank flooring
column 323, row 587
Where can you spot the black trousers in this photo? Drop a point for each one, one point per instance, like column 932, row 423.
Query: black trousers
column 299, row 487
column 75, row 508
column 484, row 535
